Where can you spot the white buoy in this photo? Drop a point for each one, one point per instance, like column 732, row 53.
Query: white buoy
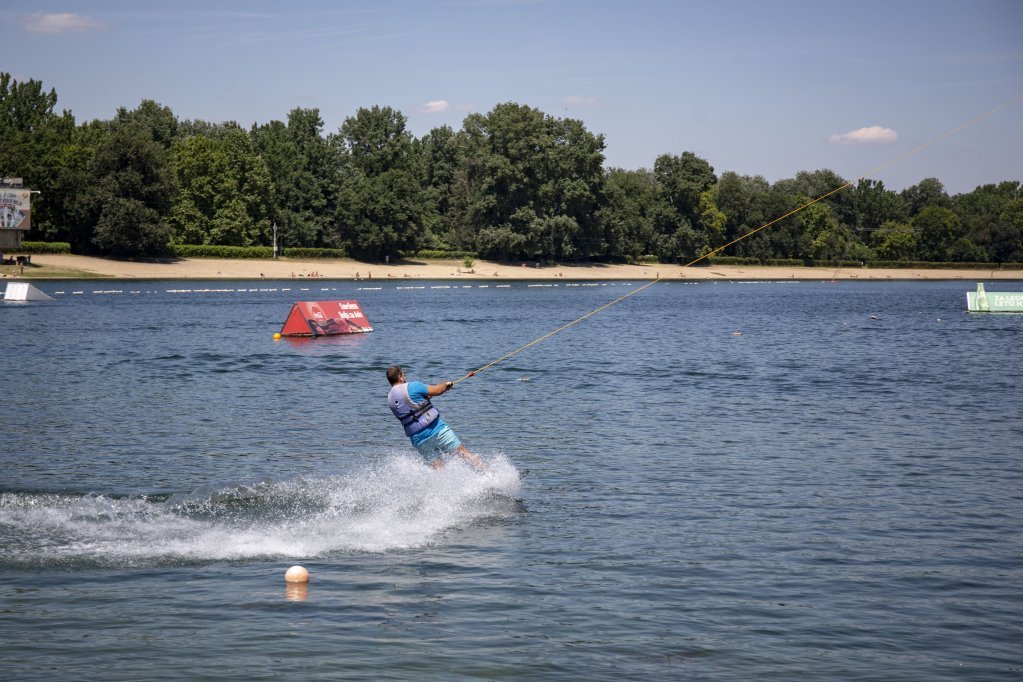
column 296, row 574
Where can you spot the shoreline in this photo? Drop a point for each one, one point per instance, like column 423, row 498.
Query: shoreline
column 85, row 267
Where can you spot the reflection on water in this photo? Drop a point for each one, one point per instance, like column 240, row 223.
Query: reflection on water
column 324, row 345
column 296, row 591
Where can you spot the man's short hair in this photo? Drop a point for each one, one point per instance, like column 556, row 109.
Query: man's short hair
column 393, row 374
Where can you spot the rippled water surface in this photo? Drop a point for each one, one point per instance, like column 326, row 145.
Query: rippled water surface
column 727, row 481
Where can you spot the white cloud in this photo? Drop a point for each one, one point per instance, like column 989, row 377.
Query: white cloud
column 577, row 101
column 868, row 135
column 435, row 107
column 44, row 22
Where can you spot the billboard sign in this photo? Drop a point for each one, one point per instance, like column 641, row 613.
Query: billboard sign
column 15, row 211
column 325, row 318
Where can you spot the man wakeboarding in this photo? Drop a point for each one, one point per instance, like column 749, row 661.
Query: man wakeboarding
column 431, row 436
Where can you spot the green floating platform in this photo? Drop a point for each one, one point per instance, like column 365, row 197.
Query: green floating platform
column 981, row 301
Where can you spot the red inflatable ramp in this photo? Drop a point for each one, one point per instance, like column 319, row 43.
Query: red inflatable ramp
column 325, row 318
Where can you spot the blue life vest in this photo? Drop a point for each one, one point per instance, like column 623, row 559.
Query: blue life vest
column 415, row 417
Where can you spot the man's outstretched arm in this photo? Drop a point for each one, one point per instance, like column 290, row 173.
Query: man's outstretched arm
column 435, row 390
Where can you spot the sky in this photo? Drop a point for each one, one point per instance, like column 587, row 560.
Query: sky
column 761, row 87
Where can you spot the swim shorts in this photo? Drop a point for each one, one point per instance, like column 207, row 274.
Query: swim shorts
column 444, row 441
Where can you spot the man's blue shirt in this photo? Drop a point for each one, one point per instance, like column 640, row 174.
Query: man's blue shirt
column 418, row 392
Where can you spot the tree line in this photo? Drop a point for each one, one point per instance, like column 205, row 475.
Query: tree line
column 514, row 183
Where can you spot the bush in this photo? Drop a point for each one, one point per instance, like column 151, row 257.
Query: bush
column 250, row 252
column 303, row 252
column 943, row 266
column 732, row 260
column 211, row 251
column 437, row 254
column 45, row 247
column 825, row 263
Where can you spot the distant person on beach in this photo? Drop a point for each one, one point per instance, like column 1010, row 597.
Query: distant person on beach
column 431, row 436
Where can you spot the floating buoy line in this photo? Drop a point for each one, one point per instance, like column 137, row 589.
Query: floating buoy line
column 264, row 290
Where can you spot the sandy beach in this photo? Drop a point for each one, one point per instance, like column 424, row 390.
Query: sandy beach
column 454, row 269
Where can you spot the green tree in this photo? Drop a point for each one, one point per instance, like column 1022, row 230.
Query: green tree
column 837, row 192
column 303, row 167
column 1009, row 247
column 632, row 205
column 876, row 205
column 134, row 186
column 158, row 121
column 382, row 207
column 572, row 188
column 133, row 193
column 128, row 228
column 553, row 236
column 826, row 235
column 376, row 140
column 530, row 184
column 682, row 181
column 380, row 214
column 787, row 235
column 941, row 236
column 927, row 192
column 32, row 141
column 895, row 241
column 224, row 191
column 712, row 220
column 744, row 200
column 829, row 240
column 443, row 162
column 75, row 192
column 750, row 204
column 990, row 220
column 198, row 127
column 502, row 242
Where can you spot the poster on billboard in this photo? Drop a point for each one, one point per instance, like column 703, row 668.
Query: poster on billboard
column 325, row 318
column 15, row 209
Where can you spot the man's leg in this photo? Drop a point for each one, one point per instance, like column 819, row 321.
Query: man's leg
column 429, row 451
column 447, row 442
column 474, row 461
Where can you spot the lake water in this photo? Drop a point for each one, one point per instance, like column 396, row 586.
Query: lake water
column 728, row 481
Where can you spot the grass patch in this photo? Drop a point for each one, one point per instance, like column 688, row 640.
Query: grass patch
column 46, row 272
